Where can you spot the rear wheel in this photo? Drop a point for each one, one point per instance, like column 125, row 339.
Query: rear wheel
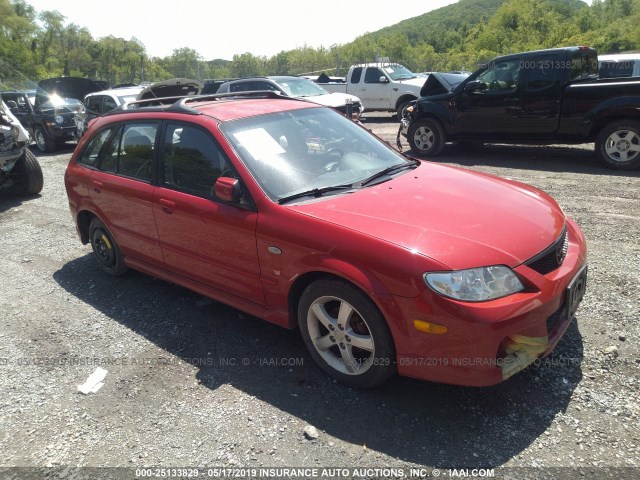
column 426, row 137
column 27, row 174
column 346, row 334
column 44, row 143
column 618, row 145
column 106, row 249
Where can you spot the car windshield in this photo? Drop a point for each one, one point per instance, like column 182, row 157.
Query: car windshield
column 399, row 72
column 301, row 87
column 310, row 149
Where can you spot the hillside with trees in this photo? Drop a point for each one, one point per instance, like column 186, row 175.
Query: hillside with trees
column 36, row 45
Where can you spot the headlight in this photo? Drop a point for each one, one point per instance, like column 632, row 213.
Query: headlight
column 476, row 284
column 59, row 119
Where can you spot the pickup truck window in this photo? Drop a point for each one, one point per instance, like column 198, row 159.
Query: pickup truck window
column 356, row 74
column 502, row 76
column 584, row 64
column 541, row 72
column 373, row 75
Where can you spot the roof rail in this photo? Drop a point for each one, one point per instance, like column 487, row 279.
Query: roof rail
column 179, row 103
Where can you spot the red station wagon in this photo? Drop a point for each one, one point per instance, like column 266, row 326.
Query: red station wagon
column 293, row 213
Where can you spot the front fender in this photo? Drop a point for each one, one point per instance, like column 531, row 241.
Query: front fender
column 439, row 110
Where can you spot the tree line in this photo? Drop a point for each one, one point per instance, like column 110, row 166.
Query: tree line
column 36, row 45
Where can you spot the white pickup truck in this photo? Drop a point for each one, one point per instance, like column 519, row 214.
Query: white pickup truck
column 381, row 86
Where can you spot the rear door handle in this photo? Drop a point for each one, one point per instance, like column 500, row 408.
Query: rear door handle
column 97, row 186
column 167, row 205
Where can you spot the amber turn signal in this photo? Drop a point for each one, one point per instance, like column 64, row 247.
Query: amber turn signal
column 429, row 327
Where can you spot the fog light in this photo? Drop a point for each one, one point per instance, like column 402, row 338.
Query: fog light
column 429, row 327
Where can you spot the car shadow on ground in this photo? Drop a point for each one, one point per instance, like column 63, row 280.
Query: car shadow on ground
column 9, row 201
column 415, row 421
column 546, row 158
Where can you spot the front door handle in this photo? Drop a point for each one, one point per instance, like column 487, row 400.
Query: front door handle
column 167, row 205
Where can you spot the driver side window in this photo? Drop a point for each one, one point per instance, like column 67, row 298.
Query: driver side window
column 193, row 161
column 501, row 77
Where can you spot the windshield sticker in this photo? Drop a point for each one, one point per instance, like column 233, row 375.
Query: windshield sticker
column 259, row 143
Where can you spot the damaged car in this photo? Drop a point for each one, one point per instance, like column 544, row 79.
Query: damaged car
column 20, row 172
column 49, row 116
column 293, row 213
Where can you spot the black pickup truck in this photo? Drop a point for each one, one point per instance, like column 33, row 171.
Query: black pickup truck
column 539, row 97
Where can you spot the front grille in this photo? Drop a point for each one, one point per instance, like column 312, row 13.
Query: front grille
column 552, row 257
column 357, row 108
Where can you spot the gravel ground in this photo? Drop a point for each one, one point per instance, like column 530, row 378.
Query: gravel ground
column 194, row 383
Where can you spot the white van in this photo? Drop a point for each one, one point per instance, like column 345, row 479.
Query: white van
column 619, row 65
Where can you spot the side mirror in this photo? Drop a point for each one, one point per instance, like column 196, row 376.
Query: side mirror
column 474, row 86
column 383, row 79
column 228, row 189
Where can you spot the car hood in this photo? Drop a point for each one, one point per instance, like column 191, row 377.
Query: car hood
column 439, row 83
column 416, row 81
column 459, row 218
column 68, row 87
column 175, row 87
column 333, row 99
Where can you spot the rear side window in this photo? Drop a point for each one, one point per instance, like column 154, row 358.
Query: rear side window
column 584, row 64
column 130, row 152
column 91, row 154
column 356, row 74
column 541, row 72
column 192, row 160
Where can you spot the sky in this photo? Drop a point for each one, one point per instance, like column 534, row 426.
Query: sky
column 221, row 29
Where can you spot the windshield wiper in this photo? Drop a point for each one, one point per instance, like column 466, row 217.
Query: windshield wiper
column 315, row 192
column 388, row 171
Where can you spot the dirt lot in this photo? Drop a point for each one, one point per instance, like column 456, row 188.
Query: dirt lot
column 193, row 383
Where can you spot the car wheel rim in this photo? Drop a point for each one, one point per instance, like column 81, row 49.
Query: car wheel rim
column 40, row 140
column 341, row 335
column 623, row 145
column 103, row 249
column 423, row 138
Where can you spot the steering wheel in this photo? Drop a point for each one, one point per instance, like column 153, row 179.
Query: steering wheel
column 494, row 85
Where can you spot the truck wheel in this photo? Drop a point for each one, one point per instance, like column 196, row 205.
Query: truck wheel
column 618, row 145
column 44, row 143
column 28, row 174
column 401, row 107
column 106, row 249
column 426, row 137
column 346, row 334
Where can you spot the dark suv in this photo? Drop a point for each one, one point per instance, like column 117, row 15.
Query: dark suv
column 49, row 112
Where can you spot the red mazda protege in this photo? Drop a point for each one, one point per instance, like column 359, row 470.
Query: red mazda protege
column 293, row 213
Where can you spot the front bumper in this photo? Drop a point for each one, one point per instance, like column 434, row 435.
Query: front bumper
column 483, row 340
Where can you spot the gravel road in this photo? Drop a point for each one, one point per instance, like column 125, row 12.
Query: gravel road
column 194, row 383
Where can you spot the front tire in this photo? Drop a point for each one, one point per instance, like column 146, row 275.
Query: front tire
column 618, row 145
column 346, row 334
column 106, row 249
column 28, row 174
column 426, row 137
column 43, row 142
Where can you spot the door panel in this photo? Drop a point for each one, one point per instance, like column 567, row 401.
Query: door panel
column 494, row 111
column 203, row 238
column 122, row 189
